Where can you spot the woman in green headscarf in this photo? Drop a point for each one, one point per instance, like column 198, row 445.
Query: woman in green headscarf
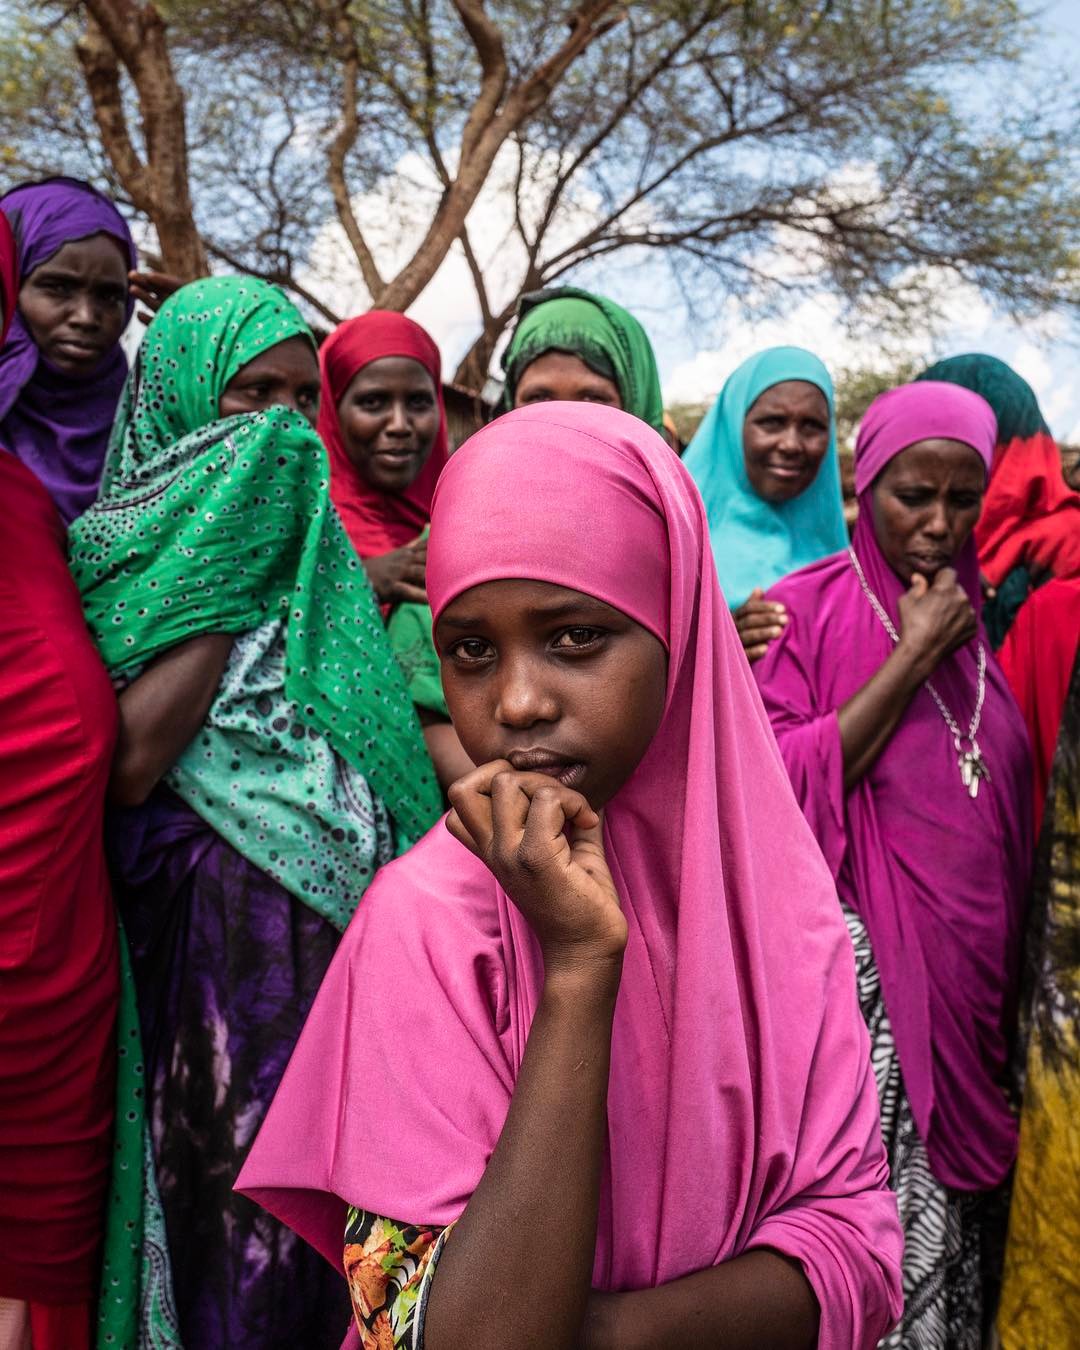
column 570, row 344
column 272, row 757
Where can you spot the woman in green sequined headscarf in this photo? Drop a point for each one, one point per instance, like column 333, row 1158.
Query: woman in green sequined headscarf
column 570, row 344
column 272, row 755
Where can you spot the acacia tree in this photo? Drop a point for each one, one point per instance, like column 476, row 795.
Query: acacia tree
column 759, row 146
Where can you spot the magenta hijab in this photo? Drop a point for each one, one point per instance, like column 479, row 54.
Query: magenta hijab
column 939, row 879
column 742, row 1110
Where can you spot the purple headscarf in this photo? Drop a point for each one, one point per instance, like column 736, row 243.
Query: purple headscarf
column 58, row 424
column 938, row 878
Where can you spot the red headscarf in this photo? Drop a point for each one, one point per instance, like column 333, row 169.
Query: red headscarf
column 1038, row 657
column 1030, row 517
column 377, row 522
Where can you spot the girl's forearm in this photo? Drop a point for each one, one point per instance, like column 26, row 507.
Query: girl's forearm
column 757, row 1300
column 518, row 1267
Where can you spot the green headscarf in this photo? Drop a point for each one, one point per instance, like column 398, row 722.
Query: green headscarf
column 208, row 524
column 604, row 336
column 1009, row 394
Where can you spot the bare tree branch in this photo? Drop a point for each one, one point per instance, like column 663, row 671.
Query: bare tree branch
column 343, row 142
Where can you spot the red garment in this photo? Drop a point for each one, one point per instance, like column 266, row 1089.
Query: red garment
column 377, row 522
column 59, row 977
column 1038, row 658
column 1030, row 515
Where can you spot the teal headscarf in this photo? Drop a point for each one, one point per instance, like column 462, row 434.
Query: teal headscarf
column 601, row 333
column 756, row 543
column 209, row 524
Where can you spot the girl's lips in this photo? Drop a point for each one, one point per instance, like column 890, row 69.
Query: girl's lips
column 569, row 775
column 565, row 771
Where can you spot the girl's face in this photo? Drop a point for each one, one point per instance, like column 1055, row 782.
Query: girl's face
column 74, row 303
column 552, row 680
column 559, row 375
column 286, row 375
column 389, row 417
column 785, row 437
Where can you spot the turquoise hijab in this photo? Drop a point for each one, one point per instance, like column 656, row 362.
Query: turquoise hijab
column 754, row 542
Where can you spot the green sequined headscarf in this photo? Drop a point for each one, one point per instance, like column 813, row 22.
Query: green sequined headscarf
column 603, row 334
column 209, row 524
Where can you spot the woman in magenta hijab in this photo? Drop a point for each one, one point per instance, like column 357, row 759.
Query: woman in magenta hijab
column 564, row 1057
column 911, row 762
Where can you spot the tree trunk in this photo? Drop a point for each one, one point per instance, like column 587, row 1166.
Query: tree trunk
column 486, row 130
column 121, row 33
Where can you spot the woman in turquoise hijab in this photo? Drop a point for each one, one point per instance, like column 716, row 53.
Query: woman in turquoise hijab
column 765, row 462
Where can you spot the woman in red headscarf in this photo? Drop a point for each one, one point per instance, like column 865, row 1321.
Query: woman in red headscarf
column 383, row 423
column 59, row 979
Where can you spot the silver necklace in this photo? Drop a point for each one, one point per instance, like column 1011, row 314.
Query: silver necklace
column 969, row 757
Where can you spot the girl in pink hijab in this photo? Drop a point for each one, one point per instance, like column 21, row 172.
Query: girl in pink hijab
column 588, row 1068
column 910, row 758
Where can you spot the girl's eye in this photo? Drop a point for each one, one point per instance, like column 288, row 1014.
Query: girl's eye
column 55, row 287
column 471, row 650
column 770, row 423
column 912, row 499
column 421, row 402
column 571, row 639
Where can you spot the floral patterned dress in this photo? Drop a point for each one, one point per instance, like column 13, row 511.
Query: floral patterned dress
column 389, row 1267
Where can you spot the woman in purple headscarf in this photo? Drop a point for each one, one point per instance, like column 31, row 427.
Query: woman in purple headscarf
column 62, row 367
column 910, row 759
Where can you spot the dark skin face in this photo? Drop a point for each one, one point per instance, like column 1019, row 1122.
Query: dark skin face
column 284, row 375
column 389, row 417
column 73, row 303
column 785, row 437
column 552, row 680
column 559, row 375
column 925, row 504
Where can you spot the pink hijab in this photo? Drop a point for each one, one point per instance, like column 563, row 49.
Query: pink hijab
column 742, row 1110
column 939, row 879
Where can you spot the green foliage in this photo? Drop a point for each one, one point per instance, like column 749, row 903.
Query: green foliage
column 687, row 418
column 858, row 386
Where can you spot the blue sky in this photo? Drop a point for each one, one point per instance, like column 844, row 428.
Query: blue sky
column 694, row 364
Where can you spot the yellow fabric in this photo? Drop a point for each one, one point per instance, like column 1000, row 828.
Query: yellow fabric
column 1040, row 1302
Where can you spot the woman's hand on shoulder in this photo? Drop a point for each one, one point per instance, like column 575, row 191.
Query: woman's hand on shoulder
column 400, row 577
column 152, row 289
column 557, row 877
column 759, row 622
column 935, row 619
